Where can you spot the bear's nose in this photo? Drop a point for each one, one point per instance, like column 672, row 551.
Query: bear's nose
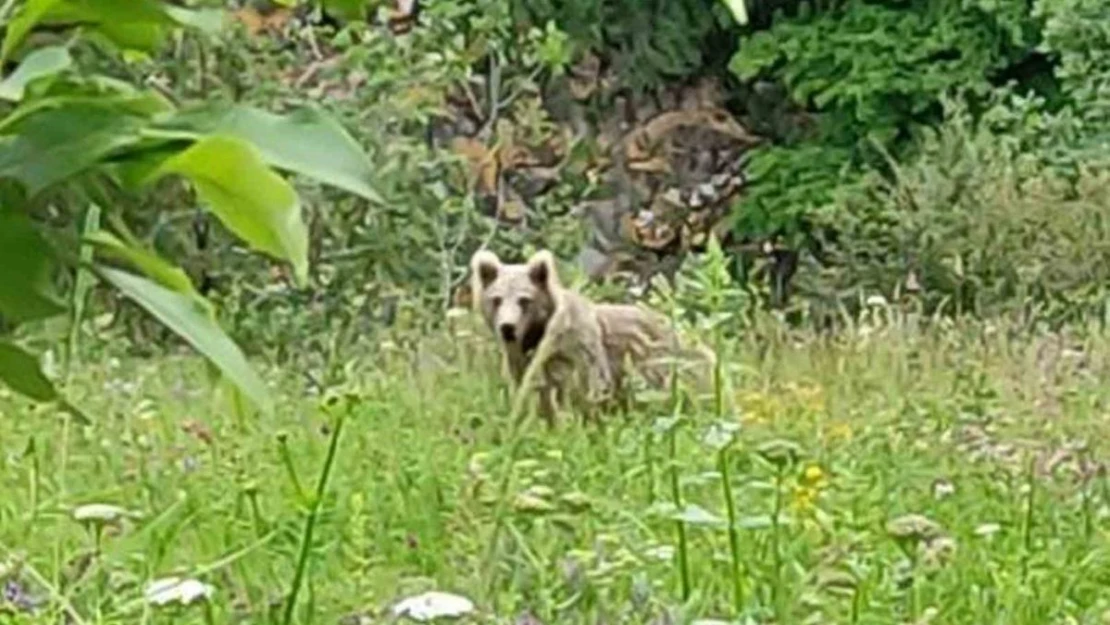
column 508, row 333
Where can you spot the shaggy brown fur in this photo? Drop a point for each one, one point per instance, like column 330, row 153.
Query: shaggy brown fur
column 590, row 344
column 524, row 304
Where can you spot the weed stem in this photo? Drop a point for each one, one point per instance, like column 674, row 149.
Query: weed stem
column 313, row 514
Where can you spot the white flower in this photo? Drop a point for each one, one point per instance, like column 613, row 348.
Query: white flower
column 432, row 605
column 99, row 513
column 988, row 529
column 175, row 589
column 943, row 488
column 660, row 552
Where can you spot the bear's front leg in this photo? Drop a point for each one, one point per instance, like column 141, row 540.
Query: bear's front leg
column 550, row 395
column 599, row 375
column 518, row 364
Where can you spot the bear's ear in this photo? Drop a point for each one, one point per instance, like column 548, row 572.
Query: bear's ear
column 485, row 265
column 541, row 269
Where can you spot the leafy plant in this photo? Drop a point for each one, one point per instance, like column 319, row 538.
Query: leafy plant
column 871, row 75
column 71, row 138
column 647, row 42
column 1077, row 33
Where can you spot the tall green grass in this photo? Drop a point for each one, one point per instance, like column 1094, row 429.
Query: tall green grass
column 950, row 473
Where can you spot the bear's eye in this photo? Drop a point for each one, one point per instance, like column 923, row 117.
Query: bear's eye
column 497, row 302
column 525, row 302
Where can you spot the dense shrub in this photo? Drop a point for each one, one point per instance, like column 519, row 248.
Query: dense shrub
column 975, row 226
column 871, row 74
column 994, row 206
column 647, row 42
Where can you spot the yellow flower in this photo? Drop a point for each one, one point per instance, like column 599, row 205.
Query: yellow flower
column 805, row 499
column 813, row 481
column 757, row 407
column 838, row 431
column 814, row 474
column 809, row 397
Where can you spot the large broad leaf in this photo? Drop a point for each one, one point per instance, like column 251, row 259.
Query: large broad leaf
column 25, row 271
column 192, row 321
column 134, row 167
column 21, row 24
column 138, row 24
column 252, row 200
column 21, row 371
column 106, row 93
column 38, row 64
column 307, row 141
column 50, row 145
column 346, row 9
column 208, row 20
column 150, row 263
column 739, row 11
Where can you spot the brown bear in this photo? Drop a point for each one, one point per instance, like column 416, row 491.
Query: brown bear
column 588, row 344
column 524, row 305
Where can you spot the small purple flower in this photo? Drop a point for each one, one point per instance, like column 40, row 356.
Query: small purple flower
column 16, row 595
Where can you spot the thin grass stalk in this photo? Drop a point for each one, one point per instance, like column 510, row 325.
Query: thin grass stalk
column 519, row 419
column 313, row 514
column 676, row 488
column 733, row 533
column 1027, row 526
column 726, row 479
column 776, row 552
column 82, row 283
column 680, row 526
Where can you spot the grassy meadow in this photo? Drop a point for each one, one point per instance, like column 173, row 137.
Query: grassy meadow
column 316, row 176
column 888, row 475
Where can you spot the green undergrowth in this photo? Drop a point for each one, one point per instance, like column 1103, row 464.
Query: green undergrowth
column 993, row 440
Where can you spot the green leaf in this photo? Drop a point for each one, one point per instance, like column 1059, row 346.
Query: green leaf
column 50, row 145
column 665, row 425
column 755, row 522
column 133, row 168
column 101, row 92
column 721, row 434
column 149, row 262
column 207, row 20
column 694, row 514
column 22, row 373
column 252, row 200
column 346, row 9
column 306, row 141
column 757, row 53
column 38, row 64
column 739, row 11
column 20, row 25
column 25, row 271
column 192, row 321
column 130, row 24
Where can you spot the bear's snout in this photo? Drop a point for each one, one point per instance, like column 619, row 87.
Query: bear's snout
column 508, row 332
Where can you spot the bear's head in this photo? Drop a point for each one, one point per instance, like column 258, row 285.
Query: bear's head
column 518, row 299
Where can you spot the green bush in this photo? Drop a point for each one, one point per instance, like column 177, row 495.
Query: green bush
column 984, row 229
column 872, row 75
column 646, row 42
